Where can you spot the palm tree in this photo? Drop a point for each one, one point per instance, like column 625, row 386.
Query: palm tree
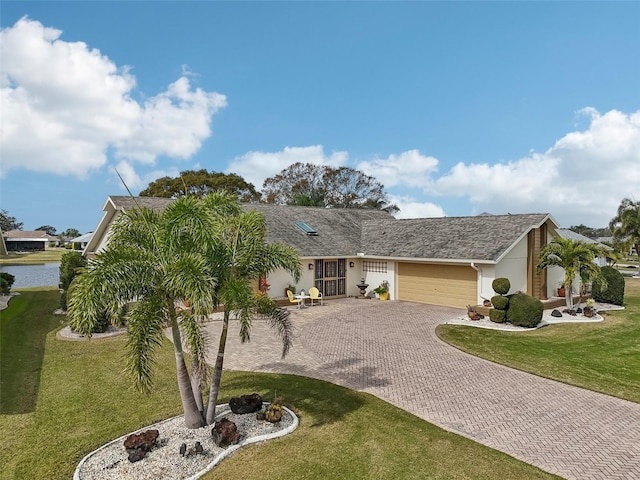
column 155, row 265
column 575, row 258
column 243, row 257
column 626, row 223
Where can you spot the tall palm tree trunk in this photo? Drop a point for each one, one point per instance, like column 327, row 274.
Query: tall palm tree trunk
column 196, row 385
column 217, row 372
column 192, row 414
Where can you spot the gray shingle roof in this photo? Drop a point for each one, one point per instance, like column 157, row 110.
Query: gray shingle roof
column 484, row 237
column 345, row 232
column 338, row 228
column 154, row 203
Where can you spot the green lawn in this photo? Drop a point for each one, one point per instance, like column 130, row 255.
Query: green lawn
column 79, row 400
column 604, row 356
column 50, row 255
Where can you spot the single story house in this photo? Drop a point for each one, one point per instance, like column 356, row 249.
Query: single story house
column 27, row 241
column 448, row 261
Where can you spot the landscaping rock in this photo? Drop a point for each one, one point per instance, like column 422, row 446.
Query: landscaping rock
column 144, row 441
column 246, row 403
column 137, row 454
column 556, row 313
column 225, row 433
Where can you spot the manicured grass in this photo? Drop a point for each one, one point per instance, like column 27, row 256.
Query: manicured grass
column 22, row 349
column 83, row 401
column 604, row 356
column 51, row 255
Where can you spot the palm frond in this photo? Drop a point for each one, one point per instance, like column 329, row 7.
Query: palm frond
column 144, row 336
column 278, row 319
column 195, row 340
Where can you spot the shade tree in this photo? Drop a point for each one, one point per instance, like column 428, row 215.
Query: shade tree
column 324, row 186
column 200, row 183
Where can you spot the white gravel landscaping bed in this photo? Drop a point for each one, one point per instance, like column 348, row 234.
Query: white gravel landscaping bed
column 165, row 462
column 547, row 319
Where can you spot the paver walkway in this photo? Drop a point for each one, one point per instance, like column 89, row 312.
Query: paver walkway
column 390, row 350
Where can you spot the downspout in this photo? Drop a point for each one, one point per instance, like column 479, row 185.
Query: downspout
column 477, row 269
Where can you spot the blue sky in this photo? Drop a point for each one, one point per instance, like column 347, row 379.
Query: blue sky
column 456, row 107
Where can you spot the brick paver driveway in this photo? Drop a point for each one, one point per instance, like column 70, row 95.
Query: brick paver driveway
column 390, row 350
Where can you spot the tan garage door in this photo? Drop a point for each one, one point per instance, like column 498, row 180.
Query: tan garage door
column 449, row 285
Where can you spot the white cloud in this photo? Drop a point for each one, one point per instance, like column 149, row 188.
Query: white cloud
column 255, row 167
column 129, row 175
column 408, row 168
column 65, row 104
column 580, row 179
column 411, row 208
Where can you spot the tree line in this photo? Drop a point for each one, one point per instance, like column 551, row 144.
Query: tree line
column 299, row 184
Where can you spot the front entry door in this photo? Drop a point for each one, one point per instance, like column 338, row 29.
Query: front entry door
column 330, row 277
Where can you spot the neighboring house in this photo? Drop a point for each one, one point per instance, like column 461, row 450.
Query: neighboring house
column 27, row 241
column 556, row 274
column 80, row 243
column 449, row 261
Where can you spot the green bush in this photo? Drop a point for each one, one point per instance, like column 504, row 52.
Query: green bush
column 614, row 291
column 6, row 282
column 524, row 310
column 501, row 286
column 499, row 302
column 71, row 264
column 497, row 316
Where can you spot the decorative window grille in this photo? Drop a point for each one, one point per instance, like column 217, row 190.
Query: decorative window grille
column 330, row 277
column 374, row 266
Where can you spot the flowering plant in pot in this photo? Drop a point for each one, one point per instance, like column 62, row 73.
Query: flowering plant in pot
column 382, row 290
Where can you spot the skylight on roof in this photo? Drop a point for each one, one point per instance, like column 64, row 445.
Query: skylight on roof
column 306, row 228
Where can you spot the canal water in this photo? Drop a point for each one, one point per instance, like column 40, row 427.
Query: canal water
column 42, row 275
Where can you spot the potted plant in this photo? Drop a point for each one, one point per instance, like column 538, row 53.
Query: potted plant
column 561, row 291
column 290, row 287
column 589, row 310
column 473, row 313
column 382, row 290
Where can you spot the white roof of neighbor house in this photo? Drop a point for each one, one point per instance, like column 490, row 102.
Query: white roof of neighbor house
column 571, row 235
column 82, row 238
column 29, row 235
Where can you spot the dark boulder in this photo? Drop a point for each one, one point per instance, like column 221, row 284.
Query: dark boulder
column 246, row 403
column 145, row 440
column 225, row 433
column 136, row 454
column 556, row 313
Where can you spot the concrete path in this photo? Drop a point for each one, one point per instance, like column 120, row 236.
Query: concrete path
column 390, row 350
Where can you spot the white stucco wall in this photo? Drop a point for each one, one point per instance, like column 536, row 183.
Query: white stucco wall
column 374, row 279
column 486, row 276
column 514, row 267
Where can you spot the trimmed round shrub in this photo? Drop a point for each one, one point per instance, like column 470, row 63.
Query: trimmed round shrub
column 501, row 286
column 497, row 316
column 499, row 302
column 524, row 310
column 614, row 291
